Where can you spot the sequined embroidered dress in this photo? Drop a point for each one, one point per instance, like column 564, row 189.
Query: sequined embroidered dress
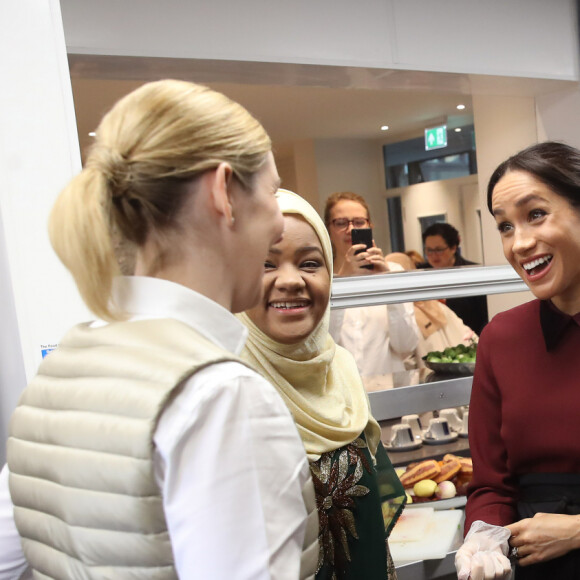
column 355, row 518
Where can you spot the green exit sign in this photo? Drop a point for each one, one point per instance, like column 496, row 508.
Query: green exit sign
column 436, row 138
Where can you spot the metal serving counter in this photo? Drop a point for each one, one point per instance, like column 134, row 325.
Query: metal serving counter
column 420, row 391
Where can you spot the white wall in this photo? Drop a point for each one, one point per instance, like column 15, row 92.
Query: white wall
column 476, row 36
column 38, row 155
column 353, row 165
column 447, row 35
column 306, row 170
column 471, row 235
column 287, row 171
column 558, row 116
column 503, row 126
column 12, row 375
column 441, row 197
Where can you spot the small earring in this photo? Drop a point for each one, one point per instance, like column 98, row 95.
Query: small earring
column 233, row 220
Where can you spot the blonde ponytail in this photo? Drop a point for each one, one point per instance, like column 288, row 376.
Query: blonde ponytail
column 148, row 148
column 79, row 231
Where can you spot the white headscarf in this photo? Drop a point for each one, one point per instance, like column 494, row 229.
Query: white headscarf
column 318, row 380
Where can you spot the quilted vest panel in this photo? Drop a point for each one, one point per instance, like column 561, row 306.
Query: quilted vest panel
column 80, row 450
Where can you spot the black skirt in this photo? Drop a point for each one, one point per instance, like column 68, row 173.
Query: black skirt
column 552, row 493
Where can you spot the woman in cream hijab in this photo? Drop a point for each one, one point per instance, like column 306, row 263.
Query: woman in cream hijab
column 358, row 494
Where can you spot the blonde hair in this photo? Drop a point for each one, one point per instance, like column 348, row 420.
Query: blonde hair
column 416, row 257
column 148, row 148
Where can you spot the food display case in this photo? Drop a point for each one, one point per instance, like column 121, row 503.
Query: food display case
column 422, row 390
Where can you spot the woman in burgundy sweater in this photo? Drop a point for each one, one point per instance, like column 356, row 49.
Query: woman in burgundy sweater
column 524, row 501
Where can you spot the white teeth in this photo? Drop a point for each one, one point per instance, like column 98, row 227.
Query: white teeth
column 535, row 263
column 287, row 304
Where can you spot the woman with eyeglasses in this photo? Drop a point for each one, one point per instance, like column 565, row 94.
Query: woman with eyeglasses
column 379, row 337
column 441, row 243
column 344, row 212
column 441, row 246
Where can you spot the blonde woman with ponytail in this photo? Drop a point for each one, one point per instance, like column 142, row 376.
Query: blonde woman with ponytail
column 143, row 448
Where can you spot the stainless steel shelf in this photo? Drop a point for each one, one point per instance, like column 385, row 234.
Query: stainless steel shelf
column 424, row 285
column 438, row 393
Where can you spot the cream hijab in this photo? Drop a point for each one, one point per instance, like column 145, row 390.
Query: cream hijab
column 318, row 380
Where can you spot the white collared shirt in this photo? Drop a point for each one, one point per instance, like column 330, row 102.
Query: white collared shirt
column 379, row 337
column 228, row 458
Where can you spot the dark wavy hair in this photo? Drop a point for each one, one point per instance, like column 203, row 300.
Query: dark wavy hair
column 555, row 164
column 445, row 230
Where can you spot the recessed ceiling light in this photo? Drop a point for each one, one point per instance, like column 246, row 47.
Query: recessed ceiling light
column 385, row 128
column 92, row 134
column 461, row 107
column 458, row 129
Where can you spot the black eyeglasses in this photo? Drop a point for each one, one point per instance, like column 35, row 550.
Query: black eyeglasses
column 436, row 250
column 343, row 223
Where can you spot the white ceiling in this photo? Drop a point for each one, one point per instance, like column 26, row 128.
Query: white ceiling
column 293, row 102
column 299, row 102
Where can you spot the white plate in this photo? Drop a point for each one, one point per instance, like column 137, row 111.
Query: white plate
column 441, row 504
column 451, row 437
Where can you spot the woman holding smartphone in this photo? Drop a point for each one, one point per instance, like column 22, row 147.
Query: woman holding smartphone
column 379, row 337
column 143, row 448
column 344, row 212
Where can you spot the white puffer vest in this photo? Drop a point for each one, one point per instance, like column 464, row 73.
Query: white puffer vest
column 80, row 452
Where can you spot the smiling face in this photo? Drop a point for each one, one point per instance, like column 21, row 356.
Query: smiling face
column 296, row 285
column 540, row 233
column 439, row 253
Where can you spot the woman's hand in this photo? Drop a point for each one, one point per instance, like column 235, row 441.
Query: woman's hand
column 354, row 263
column 483, row 555
column 544, row 537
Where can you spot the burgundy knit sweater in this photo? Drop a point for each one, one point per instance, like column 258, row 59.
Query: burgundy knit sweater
column 524, row 415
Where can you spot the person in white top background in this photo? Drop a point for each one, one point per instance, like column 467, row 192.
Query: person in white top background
column 144, row 448
column 439, row 326
column 379, row 337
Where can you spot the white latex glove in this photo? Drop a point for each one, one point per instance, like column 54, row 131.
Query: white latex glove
column 483, row 555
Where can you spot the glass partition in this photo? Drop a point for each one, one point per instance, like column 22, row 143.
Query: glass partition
column 417, row 322
column 430, row 284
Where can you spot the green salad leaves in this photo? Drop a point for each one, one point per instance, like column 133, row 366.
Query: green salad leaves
column 453, row 354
